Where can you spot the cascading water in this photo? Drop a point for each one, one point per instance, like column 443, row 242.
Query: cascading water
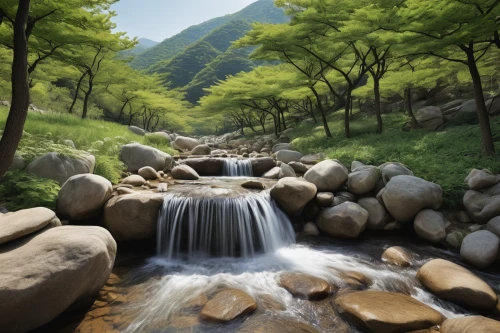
column 222, row 227
column 237, row 168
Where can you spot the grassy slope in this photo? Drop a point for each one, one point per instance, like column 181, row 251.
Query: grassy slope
column 47, row 132
column 443, row 157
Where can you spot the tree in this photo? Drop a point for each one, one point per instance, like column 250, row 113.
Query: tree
column 20, row 88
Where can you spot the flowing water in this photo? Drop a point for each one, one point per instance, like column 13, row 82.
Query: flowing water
column 234, row 167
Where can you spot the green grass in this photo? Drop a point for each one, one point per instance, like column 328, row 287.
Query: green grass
column 46, row 133
column 445, row 157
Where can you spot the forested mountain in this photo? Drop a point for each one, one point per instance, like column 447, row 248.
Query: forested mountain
column 143, row 45
column 261, row 11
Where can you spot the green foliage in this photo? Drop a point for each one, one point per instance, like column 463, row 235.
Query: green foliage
column 444, row 157
column 22, row 190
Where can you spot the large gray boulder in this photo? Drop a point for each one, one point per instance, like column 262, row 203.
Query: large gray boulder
column 392, row 169
column 430, row 117
column 148, row 173
column 328, row 176
column 480, row 248
column 83, row 197
column 136, row 156
column 133, row 216
column 185, row 143
column 60, row 168
column 201, row 150
column 480, row 179
column 430, row 225
column 286, row 171
column 378, row 216
column 262, row 165
column 293, row 194
column 405, row 196
column 287, row 156
column 137, row 130
column 25, row 222
column 274, row 173
column 184, row 172
column 347, row 220
column 363, row 180
column 205, row 166
column 59, row 268
column 494, row 226
column 481, row 207
column 282, row 146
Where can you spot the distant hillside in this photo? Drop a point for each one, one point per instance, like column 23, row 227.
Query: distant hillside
column 181, row 69
column 143, row 45
column 260, row 11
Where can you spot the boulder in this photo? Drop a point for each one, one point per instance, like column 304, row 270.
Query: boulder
column 201, row 150
column 377, row 215
column 328, row 176
column 457, row 284
column 282, row 146
column 18, row 163
column 25, row 222
column 133, row 216
column 347, row 220
column 137, row 130
column 480, row 179
column 363, row 180
column 310, row 229
column 305, row 286
column 397, row 256
column 480, row 248
column 430, row 117
column 148, row 173
column 325, row 199
column 481, row 207
column 392, row 169
column 206, row 166
column 430, row 225
column 287, row 156
column 55, row 269
column 286, row 171
column 494, row 226
column 227, row 305
column 185, row 143
column 274, row 173
column 82, row 197
column 313, row 159
column 184, row 172
column 60, row 168
column 254, row 184
column 293, row 194
column 298, row 167
column 262, row 165
column 136, row 156
column 385, row 312
column 405, row 196
column 471, row 324
column 134, row 180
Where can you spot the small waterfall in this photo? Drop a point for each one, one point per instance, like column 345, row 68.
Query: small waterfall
column 237, row 168
column 222, row 227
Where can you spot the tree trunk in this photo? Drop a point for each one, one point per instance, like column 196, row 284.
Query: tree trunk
column 75, row 98
column 121, row 111
column 409, row 108
column 14, row 126
column 378, row 106
column 488, row 147
column 347, row 128
column 87, row 97
column 323, row 114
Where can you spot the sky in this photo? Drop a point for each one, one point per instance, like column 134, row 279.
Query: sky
column 160, row 19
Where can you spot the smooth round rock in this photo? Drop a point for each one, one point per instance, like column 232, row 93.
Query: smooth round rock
column 363, row 180
column 254, row 184
column 286, row 171
column 479, row 179
column 83, row 197
column 227, row 305
column 377, row 214
column 393, row 169
column 293, row 194
column 494, row 226
column 472, row 324
column 397, row 256
column 298, row 167
column 385, row 312
column 287, row 156
column 328, row 176
column 481, row 207
column 457, row 284
column 201, row 150
column 325, row 199
column 347, row 220
column 310, row 229
column 430, row 225
column 274, row 173
column 305, row 286
column 184, row 172
column 148, row 173
column 137, row 156
column 134, row 180
column 24, row 222
column 480, row 248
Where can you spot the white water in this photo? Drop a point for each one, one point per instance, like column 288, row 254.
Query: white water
column 237, row 168
column 222, row 227
column 182, row 281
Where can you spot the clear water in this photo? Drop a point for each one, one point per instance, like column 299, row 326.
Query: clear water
column 234, row 167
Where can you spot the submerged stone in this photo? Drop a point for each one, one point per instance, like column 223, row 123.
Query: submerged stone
column 228, row 305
